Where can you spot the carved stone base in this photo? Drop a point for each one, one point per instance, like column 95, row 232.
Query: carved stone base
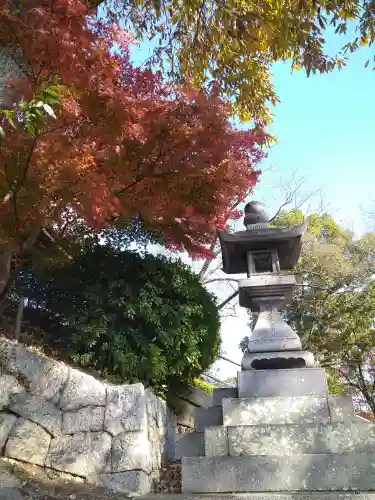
column 277, row 360
column 271, row 332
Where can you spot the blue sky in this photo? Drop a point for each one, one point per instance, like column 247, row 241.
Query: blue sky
column 325, row 126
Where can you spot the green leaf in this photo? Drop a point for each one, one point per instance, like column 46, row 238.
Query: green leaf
column 2, row 133
column 49, row 110
column 9, row 116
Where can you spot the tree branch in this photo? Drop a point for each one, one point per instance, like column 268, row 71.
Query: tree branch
column 227, row 300
column 226, row 280
column 207, row 262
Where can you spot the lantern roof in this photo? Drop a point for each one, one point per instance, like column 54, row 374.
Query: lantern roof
column 259, row 237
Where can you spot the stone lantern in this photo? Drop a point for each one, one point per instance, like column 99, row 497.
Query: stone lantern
column 264, row 252
column 278, row 433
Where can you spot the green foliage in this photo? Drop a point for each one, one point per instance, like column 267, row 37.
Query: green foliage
column 234, row 43
column 129, row 232
column 129, row 318
column 318, row 226
column 288, row 219
column 201, row 384
column 231, row 381
column 244, row 342
column 334, row 383
column 31, row 115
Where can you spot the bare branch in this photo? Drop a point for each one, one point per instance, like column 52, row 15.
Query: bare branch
column 227, row 300
column 294, row 196
column 212, row 271
column 207, row 262
column 223, row 280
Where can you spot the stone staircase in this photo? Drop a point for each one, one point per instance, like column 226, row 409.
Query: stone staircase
column 266, row 496
column 278, row 436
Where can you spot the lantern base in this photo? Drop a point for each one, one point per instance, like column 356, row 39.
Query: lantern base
column 277, row 360
column 264, row 286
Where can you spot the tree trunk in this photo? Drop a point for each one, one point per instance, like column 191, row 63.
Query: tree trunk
column 5, row 275
column 19, row 317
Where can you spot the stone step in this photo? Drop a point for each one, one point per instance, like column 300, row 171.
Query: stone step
column 205, row 417
column 190, row 444
column 275, row 410
column 223, row 392
column 300, row 439
column 287, row 410
column 287, row 382
column 313, row 495
column 318, row 472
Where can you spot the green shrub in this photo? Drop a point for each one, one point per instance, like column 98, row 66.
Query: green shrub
column 130, row 318
column 201, row 384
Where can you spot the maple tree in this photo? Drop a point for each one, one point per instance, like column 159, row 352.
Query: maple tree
column 91, row 136
column 235, row 43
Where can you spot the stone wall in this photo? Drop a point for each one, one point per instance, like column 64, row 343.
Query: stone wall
column 59, row 418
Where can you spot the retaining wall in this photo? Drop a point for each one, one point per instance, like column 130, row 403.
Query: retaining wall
column 60, row 418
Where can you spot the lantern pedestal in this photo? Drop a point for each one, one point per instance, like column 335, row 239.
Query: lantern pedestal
column 273, row 343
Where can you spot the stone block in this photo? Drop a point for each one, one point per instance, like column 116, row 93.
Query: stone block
column 126, row 409
column 216, row 441
column 157, row 439
column 28, row 442
column 83, row 454
column 9, row 487
column 170, row 436
column 8, row 480
column 223, row 392
column 161, row 430
column 131, row 450
column 82, row 390
column 276, row 410
column 341, row 409
column 38, row 410
column 190, row 444
column 6, row 423
column 301, row 439
column 132, row 483
column 43, row 377
column 289, row 382
column 8, row 387
column 198, row 397
column 312, row 495
column 186, row 414
column 88, row 419
column 10, row 493
column 275, row 473
column 56, row 475
column 156, row 408
column 156, row 446
column 205, row 417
